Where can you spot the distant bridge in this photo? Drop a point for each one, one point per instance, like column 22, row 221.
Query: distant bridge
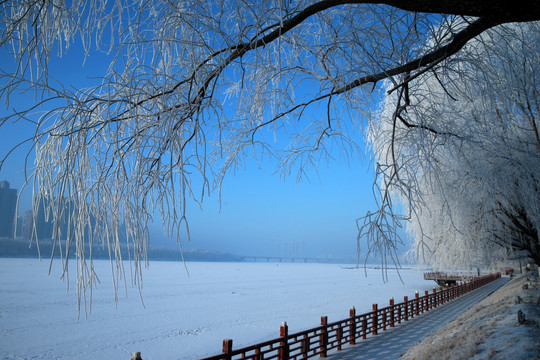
column 291, row 259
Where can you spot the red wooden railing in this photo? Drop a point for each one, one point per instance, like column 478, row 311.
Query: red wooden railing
column 328, row 336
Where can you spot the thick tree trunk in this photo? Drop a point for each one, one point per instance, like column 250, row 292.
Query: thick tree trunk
column 506, row 11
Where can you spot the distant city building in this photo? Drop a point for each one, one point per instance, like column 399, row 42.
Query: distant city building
column 27, row 224
column 43, row 219
column 19, row 227
column 8, row 204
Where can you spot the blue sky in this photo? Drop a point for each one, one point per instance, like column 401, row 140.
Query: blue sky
column 268, row 215
column 260, row 213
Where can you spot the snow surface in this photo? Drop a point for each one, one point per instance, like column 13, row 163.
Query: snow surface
column 185, row 317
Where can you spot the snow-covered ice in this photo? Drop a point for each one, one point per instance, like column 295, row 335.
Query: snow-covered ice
column 185, row 317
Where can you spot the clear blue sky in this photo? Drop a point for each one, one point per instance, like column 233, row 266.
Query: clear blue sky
column 261, row 213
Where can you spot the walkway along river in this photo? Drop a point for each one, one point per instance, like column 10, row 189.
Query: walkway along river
column 392, row 344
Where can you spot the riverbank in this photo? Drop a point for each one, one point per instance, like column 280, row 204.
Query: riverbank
column 491, row 329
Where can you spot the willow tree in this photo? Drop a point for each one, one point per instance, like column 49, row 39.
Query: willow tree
column 462, row 152
column 194, row 87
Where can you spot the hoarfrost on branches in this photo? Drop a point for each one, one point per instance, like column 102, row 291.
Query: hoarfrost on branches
column 461, row 149
column 193, row 88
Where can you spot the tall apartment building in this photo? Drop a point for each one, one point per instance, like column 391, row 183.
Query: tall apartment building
column 8, row 203
column 44, row 223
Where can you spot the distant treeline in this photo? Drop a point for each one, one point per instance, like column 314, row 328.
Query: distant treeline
column 24, row 248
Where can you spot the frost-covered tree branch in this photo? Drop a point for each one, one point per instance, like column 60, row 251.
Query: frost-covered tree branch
column 464, row 159
column 193, row 88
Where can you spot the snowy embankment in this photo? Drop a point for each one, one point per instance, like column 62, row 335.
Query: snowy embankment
column 185, row 317
column 491, row 329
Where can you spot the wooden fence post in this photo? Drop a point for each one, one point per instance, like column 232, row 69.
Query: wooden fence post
column 384, row 318
column 416, row 297
column 445, row 295
column 405, row 302
column 392, row 311
column 324, row 336
column 352, row 326
column 364, row 326
column 305, row 346
column 426, row 297
column 227, row 348
column 374, row 320
column 136, row 356
column 339, row 336
column 284, row 343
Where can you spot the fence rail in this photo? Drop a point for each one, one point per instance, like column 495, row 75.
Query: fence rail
column 319, row 340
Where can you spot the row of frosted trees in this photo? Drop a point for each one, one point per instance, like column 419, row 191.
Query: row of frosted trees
column 461, row 150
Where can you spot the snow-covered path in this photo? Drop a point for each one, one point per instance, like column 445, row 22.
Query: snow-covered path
column 393, row 343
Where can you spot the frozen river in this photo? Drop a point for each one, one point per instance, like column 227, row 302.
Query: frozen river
column 184, row 317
